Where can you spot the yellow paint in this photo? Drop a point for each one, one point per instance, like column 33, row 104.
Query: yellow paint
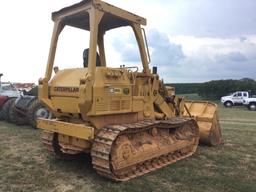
column 74, row 130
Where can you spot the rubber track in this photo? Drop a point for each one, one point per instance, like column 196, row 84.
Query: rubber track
column 102, row 147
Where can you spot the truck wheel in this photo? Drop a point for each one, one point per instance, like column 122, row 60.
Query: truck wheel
column 37, row 110
column 3, row 100
column 1, row 114
column 6, row 108
column 252, row 107
column 228, row 104
column 15, row 117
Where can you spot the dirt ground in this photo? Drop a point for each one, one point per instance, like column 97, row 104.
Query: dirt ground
column 26, row 166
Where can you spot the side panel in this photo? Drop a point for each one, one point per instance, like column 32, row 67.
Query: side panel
column 101, row 121
column 112, row 92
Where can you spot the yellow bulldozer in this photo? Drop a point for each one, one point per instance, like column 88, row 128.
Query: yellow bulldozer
column 127, row 120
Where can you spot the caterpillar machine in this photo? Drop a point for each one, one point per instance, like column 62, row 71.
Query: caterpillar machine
column 127, row 120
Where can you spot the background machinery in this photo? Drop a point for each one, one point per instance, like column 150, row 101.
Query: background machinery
column 8, row 95
column 128, row 121
column 26, row 109
column 19, row 103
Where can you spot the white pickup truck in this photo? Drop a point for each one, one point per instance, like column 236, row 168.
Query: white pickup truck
column 236, row 98
column 239, row 98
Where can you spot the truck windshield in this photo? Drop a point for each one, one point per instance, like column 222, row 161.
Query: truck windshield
column 8, row 88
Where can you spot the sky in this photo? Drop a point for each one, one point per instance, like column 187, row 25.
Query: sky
column 189, row 41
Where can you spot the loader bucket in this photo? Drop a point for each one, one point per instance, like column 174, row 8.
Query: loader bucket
column 206, row 115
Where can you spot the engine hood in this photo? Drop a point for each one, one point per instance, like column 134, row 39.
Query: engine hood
column 225, row 98
column 66, row 82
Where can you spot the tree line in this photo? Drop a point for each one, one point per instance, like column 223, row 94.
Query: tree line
column 216, row 89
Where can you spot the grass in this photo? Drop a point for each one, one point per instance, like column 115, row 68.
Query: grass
column 25, row 166
column 195, row 96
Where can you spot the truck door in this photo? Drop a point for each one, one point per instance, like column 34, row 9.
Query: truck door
column 245, row 95
column 238, row 98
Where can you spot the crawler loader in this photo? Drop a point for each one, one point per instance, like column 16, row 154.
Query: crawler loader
column 127, row 120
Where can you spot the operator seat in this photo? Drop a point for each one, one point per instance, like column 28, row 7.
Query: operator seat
column 86, row 56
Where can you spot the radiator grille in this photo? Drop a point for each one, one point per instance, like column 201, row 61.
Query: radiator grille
column 101, row 106
column 125, row 104
column 115, row 105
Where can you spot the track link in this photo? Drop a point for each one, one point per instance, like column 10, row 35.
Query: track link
column 104, row 151
column 58, row 149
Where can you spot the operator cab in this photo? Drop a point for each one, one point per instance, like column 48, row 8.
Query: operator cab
column 97, row 17
column 100, row 89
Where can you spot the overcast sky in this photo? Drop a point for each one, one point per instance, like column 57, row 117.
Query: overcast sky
column 189, row 41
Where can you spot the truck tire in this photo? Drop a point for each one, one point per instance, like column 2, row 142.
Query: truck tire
column 3, row 100
column 252, row 106
column 15, row 117
column 36, row 110
column 228, row 104
column 6, row 108
column 1, row 115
